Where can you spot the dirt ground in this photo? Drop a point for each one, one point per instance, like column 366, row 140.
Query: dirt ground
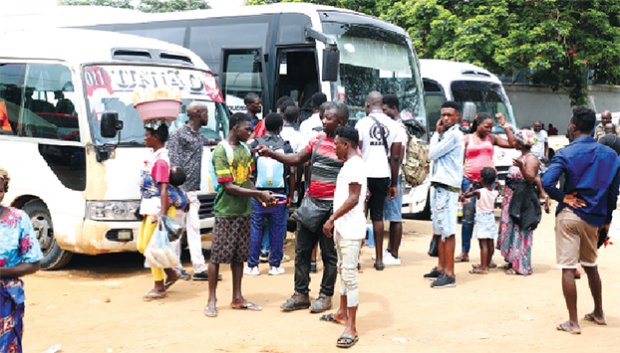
column 95, row 305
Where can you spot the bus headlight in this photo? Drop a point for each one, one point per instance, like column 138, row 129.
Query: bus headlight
column 112, row 210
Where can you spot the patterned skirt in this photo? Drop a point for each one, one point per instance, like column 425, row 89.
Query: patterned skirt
column 11, row 315
column 231, row 240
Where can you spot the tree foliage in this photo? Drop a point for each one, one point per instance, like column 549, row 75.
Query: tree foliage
column 559, row 43
column 145, row 5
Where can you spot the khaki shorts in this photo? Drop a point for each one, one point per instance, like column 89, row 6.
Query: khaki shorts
column 575, row 240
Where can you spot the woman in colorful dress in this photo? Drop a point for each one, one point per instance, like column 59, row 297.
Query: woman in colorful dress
column 515, row 242
column 20, row 255
column 155, row 201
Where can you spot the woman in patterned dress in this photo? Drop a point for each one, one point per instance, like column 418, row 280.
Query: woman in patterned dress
column 20, row 255
column 514, row 243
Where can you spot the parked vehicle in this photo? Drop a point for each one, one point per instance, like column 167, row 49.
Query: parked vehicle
column 57, row 87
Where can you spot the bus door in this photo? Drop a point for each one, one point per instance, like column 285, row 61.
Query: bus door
column 242, row 73
column 297, row 77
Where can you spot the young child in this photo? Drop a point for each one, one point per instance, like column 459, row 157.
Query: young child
column 350, row 222
column 485, row 228
column 231, row 230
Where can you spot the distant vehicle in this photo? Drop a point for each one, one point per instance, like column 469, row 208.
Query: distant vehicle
column 58, row 88
column 476, row 90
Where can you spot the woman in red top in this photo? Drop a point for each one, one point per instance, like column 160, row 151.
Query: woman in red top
column 479, row 145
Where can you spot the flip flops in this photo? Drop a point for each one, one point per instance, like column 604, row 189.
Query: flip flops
column 478, row 271
column 153, row 295
column 347, row 341
column 568, row 327
column 210, row 311
column 169, row 283
column 246, row 305
column 590, row 317
column 331, row 318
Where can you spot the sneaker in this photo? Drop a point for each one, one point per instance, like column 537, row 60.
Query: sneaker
column 434, row 274
column 296, row 302
column 390, row 260
column 313, row 268
column 444, row 281
column 184, row 275
column 321, row 304
column 251, row 271
column 200, row 276
column 264, row 257
column 274, row 271
column 285, row 258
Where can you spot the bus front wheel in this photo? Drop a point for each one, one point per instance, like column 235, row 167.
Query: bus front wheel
column 53, row 256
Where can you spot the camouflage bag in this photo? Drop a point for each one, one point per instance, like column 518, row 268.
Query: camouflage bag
column 416, row 164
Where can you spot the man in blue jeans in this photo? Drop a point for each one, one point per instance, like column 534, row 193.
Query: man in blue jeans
column 585, row 204
column 273, row 176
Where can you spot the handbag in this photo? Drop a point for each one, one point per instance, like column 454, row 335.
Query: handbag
column 313, row 212
column 433, row 247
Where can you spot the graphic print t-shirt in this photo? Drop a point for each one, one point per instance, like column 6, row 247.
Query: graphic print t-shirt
column 373, row 150
column 239, row 173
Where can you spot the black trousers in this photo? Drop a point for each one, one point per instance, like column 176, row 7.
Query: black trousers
column 306, row 241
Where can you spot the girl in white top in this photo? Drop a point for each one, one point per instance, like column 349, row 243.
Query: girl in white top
column 485, row 228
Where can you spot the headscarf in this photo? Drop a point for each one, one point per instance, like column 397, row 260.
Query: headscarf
column 526, row 137
column 4, row 179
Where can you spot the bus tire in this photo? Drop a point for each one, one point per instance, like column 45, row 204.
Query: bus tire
column 53, row 256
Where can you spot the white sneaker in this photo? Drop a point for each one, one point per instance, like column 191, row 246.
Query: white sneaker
column 275, row 271
column 251, row 271
column 374, row 256
column 389, row 260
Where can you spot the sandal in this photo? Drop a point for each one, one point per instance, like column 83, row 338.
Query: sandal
column 246, row 305
column 511, row 272
column 210, row 311
column 169, row 282
column 478, row 271
column 462, row 258
column 331, row 318
column 590, row 317
column 153, row 295
column 569, row 327
column 347, row 341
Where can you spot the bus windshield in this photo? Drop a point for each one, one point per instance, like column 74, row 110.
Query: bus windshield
column 486, row 97
column 372, row 59
column 110, row 88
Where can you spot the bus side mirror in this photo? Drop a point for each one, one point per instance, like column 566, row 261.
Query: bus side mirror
column 331, row 61
column 110, row 124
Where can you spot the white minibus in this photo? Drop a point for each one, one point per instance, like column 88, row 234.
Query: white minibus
column 80, row 188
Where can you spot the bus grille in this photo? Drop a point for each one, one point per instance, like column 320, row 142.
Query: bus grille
column 207, row 203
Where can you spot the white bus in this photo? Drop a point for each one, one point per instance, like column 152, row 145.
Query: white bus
column 79, row 188
column 476, row 90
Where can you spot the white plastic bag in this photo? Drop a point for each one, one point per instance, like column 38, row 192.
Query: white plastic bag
column 160, row 253
column 614, row 227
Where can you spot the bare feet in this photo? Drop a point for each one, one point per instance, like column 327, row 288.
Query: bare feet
column 597, row 319
column 570, row 327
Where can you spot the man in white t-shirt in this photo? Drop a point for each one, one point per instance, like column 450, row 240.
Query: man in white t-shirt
column 381, row 149
column 313, row 125
column 350, row 224
column 541, row 147
column 288, row 133
column 392, row 211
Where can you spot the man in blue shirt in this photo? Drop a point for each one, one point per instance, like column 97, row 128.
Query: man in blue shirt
column 446, row 152
column 585, row 204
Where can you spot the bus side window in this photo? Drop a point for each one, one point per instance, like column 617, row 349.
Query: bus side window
column 48, row 111
column 11, row 86
column 243, row 72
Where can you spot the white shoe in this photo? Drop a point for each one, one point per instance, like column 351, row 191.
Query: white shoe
column 389, row 260
column 251, row 271
column 374, row 257
column 275, row 271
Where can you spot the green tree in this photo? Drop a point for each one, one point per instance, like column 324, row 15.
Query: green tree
column 145, row 5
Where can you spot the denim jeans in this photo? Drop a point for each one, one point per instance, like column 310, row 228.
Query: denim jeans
column 306, row 241
column 277, row 230
column 469, row 213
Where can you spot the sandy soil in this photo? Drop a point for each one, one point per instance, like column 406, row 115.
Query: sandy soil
column 95, row 305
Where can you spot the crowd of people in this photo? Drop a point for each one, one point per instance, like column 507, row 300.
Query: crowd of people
column 338, row 176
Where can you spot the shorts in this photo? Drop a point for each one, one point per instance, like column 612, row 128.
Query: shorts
column 444, row 204
column 485, row 226
column 575, row 241
column 231, row 240
column 393, row 210
column 378, row 188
